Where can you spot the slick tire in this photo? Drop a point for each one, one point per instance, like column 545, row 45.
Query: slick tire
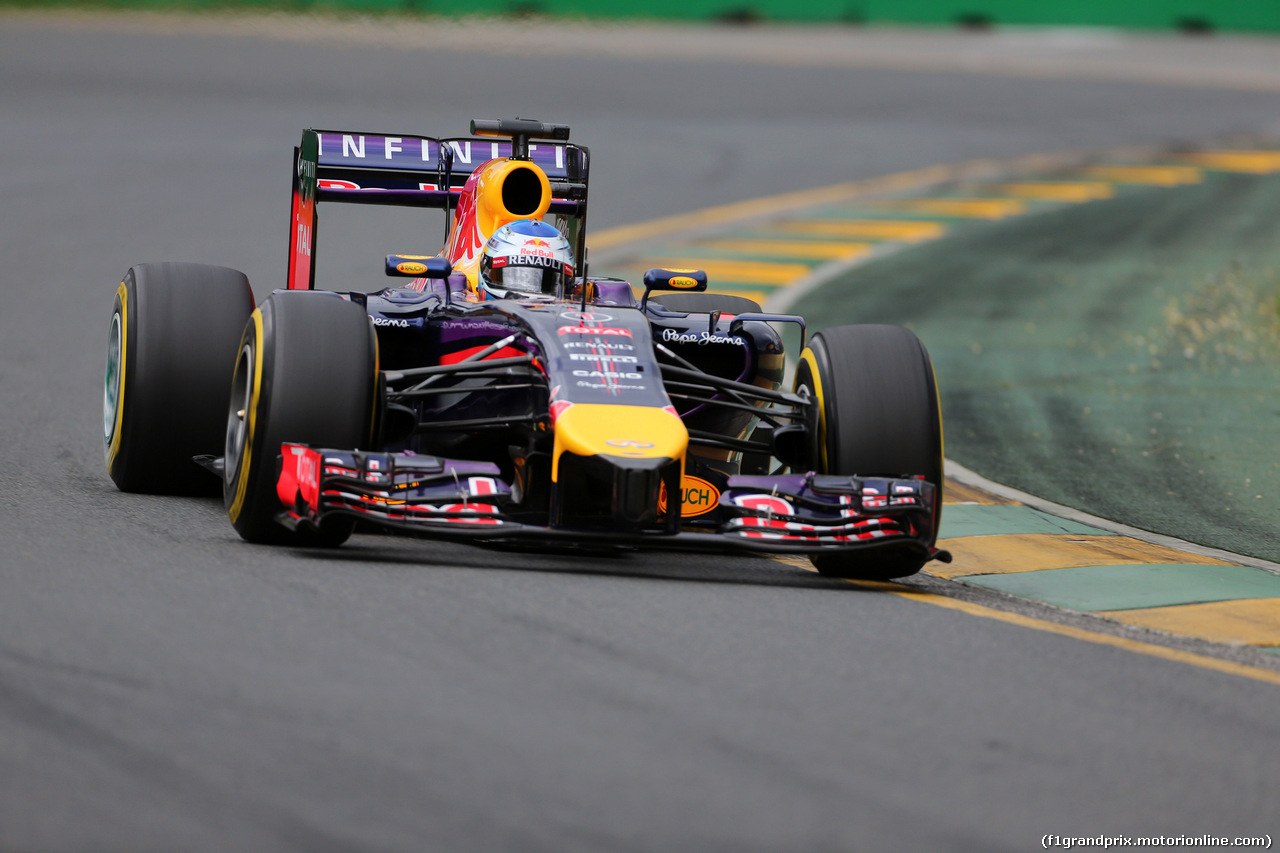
column 705, row 303
column 171, row 347
column 306, row 372
column 878, row 416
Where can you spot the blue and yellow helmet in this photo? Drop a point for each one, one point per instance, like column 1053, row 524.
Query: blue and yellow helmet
column 526, row 259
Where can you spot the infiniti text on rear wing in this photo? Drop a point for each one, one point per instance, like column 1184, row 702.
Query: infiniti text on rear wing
column 408, row 171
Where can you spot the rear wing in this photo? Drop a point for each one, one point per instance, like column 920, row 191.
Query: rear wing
column 411, row 171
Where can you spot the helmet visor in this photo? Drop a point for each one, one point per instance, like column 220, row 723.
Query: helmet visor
column 525, row 279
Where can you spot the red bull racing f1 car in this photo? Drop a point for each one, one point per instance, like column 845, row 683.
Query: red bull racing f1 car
column 498, row 392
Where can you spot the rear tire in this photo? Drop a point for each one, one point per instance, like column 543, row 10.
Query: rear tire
column 306, row 372
column 879, row 417
column 170, row 352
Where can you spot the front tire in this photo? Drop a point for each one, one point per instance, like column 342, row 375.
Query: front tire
column 878, row 417
column 307, row 373
column 170, row 351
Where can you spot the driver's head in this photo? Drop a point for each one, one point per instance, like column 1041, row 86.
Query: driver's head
column 525, row 259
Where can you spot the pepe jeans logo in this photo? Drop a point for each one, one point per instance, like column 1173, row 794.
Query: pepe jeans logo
column 701, row 339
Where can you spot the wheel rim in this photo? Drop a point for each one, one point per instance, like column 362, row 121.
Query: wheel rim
column 111, row 380
column 238, row 414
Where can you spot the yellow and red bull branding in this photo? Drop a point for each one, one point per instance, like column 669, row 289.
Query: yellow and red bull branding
column 482, row 211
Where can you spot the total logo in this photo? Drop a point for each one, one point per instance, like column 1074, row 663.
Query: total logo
column 697, row 497
column 585, row 330
column 306, row 470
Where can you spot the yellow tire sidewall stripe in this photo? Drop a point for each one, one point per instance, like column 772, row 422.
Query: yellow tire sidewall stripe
column 242, row 470
column 122, row 293
column 808, row 357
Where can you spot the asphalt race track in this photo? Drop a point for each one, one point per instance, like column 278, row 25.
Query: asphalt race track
column 165, row 686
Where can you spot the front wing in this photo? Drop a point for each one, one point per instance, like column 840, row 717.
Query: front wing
column 468, row 500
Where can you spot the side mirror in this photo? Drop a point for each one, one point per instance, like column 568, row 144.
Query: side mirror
column 687, row 281
column 418, row 266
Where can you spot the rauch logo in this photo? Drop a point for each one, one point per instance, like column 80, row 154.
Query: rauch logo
column 698, row 497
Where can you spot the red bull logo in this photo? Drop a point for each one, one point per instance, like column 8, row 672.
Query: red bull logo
column 537, row 247
column 465, row 239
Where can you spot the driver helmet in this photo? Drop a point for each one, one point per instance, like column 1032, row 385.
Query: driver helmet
column 525, row 259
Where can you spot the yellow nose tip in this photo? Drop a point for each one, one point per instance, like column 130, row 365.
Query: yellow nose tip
column 628, row 432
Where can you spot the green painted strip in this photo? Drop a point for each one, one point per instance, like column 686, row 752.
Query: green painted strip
column 1132, row 587
column 1174, row 14
column 988, row 520
column 1190, row 15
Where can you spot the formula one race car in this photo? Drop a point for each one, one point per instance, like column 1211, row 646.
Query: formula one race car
column 498, row 393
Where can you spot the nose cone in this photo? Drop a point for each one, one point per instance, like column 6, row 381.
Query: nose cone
column 625, row 432
column 610, row 465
